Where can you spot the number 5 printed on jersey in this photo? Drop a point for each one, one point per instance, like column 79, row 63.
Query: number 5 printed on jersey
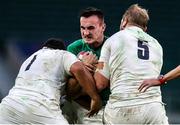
column 143, row 50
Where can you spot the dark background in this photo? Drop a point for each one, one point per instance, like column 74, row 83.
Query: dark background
column 26, row 24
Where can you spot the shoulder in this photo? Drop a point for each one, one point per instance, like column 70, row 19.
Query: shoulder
column 68, row 60
column 153, row 41
column 68, row 56
column 67, row 53
column 76, row 43
column 76, row 46
column 117, row 36
column 116, row 41
column 157, row 44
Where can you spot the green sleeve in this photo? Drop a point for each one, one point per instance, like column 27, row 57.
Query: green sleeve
column 75, row 47
column 72, row 49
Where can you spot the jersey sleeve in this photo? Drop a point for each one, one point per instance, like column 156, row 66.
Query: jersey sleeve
column 104, row 58
column 68, row 61
column 71, row 48
column 75, row 46
column 105, row 52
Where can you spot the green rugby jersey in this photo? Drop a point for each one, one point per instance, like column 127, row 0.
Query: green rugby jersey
column 78, row 46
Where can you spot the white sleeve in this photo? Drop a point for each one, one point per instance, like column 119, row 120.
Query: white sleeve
column 68, row 60
column 104, row 58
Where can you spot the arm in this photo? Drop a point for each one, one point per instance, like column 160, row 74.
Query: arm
column 101, row 83
column 76, row 93
column 87, row 82
column 73, row 88
column 161, row 80
column 101, row 76
column 172, row 74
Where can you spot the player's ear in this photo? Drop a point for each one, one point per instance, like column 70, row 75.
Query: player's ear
column 145, row 29
column 124, row 22
column 104, row 26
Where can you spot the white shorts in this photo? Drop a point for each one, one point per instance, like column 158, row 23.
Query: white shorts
column 76, row 114
column 151, row 113
column 11, row 115
column 84, row 119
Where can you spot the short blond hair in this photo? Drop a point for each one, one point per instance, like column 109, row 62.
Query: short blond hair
column 136, row 15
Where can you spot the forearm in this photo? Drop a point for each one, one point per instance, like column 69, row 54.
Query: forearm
column 172, row 74
column 101, row 76
column 101, row 82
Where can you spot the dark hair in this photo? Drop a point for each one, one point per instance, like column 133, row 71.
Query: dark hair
column 89, row 11
column 55, row 43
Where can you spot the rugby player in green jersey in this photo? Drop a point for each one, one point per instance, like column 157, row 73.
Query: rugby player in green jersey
column 92, row 27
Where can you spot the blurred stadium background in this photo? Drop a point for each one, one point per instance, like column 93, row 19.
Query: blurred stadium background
column 26, row 24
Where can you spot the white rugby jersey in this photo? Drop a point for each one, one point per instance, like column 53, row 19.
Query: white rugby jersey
column 132, row 56
column 40, row 82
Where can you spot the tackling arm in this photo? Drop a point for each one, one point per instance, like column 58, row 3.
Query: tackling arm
column 87, row 82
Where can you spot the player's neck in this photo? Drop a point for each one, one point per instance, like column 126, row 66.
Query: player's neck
column 98, row 43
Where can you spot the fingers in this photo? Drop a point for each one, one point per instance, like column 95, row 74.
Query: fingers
column 143, row 87
column 91, row 68
column 90, row 60
column 94, row 107
column 91, row 113
column 89, row 57
column 148, row 83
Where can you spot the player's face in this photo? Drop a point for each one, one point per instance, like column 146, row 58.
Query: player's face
column 92, row 30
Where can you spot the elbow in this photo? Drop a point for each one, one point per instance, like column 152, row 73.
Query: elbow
column 76, row 68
